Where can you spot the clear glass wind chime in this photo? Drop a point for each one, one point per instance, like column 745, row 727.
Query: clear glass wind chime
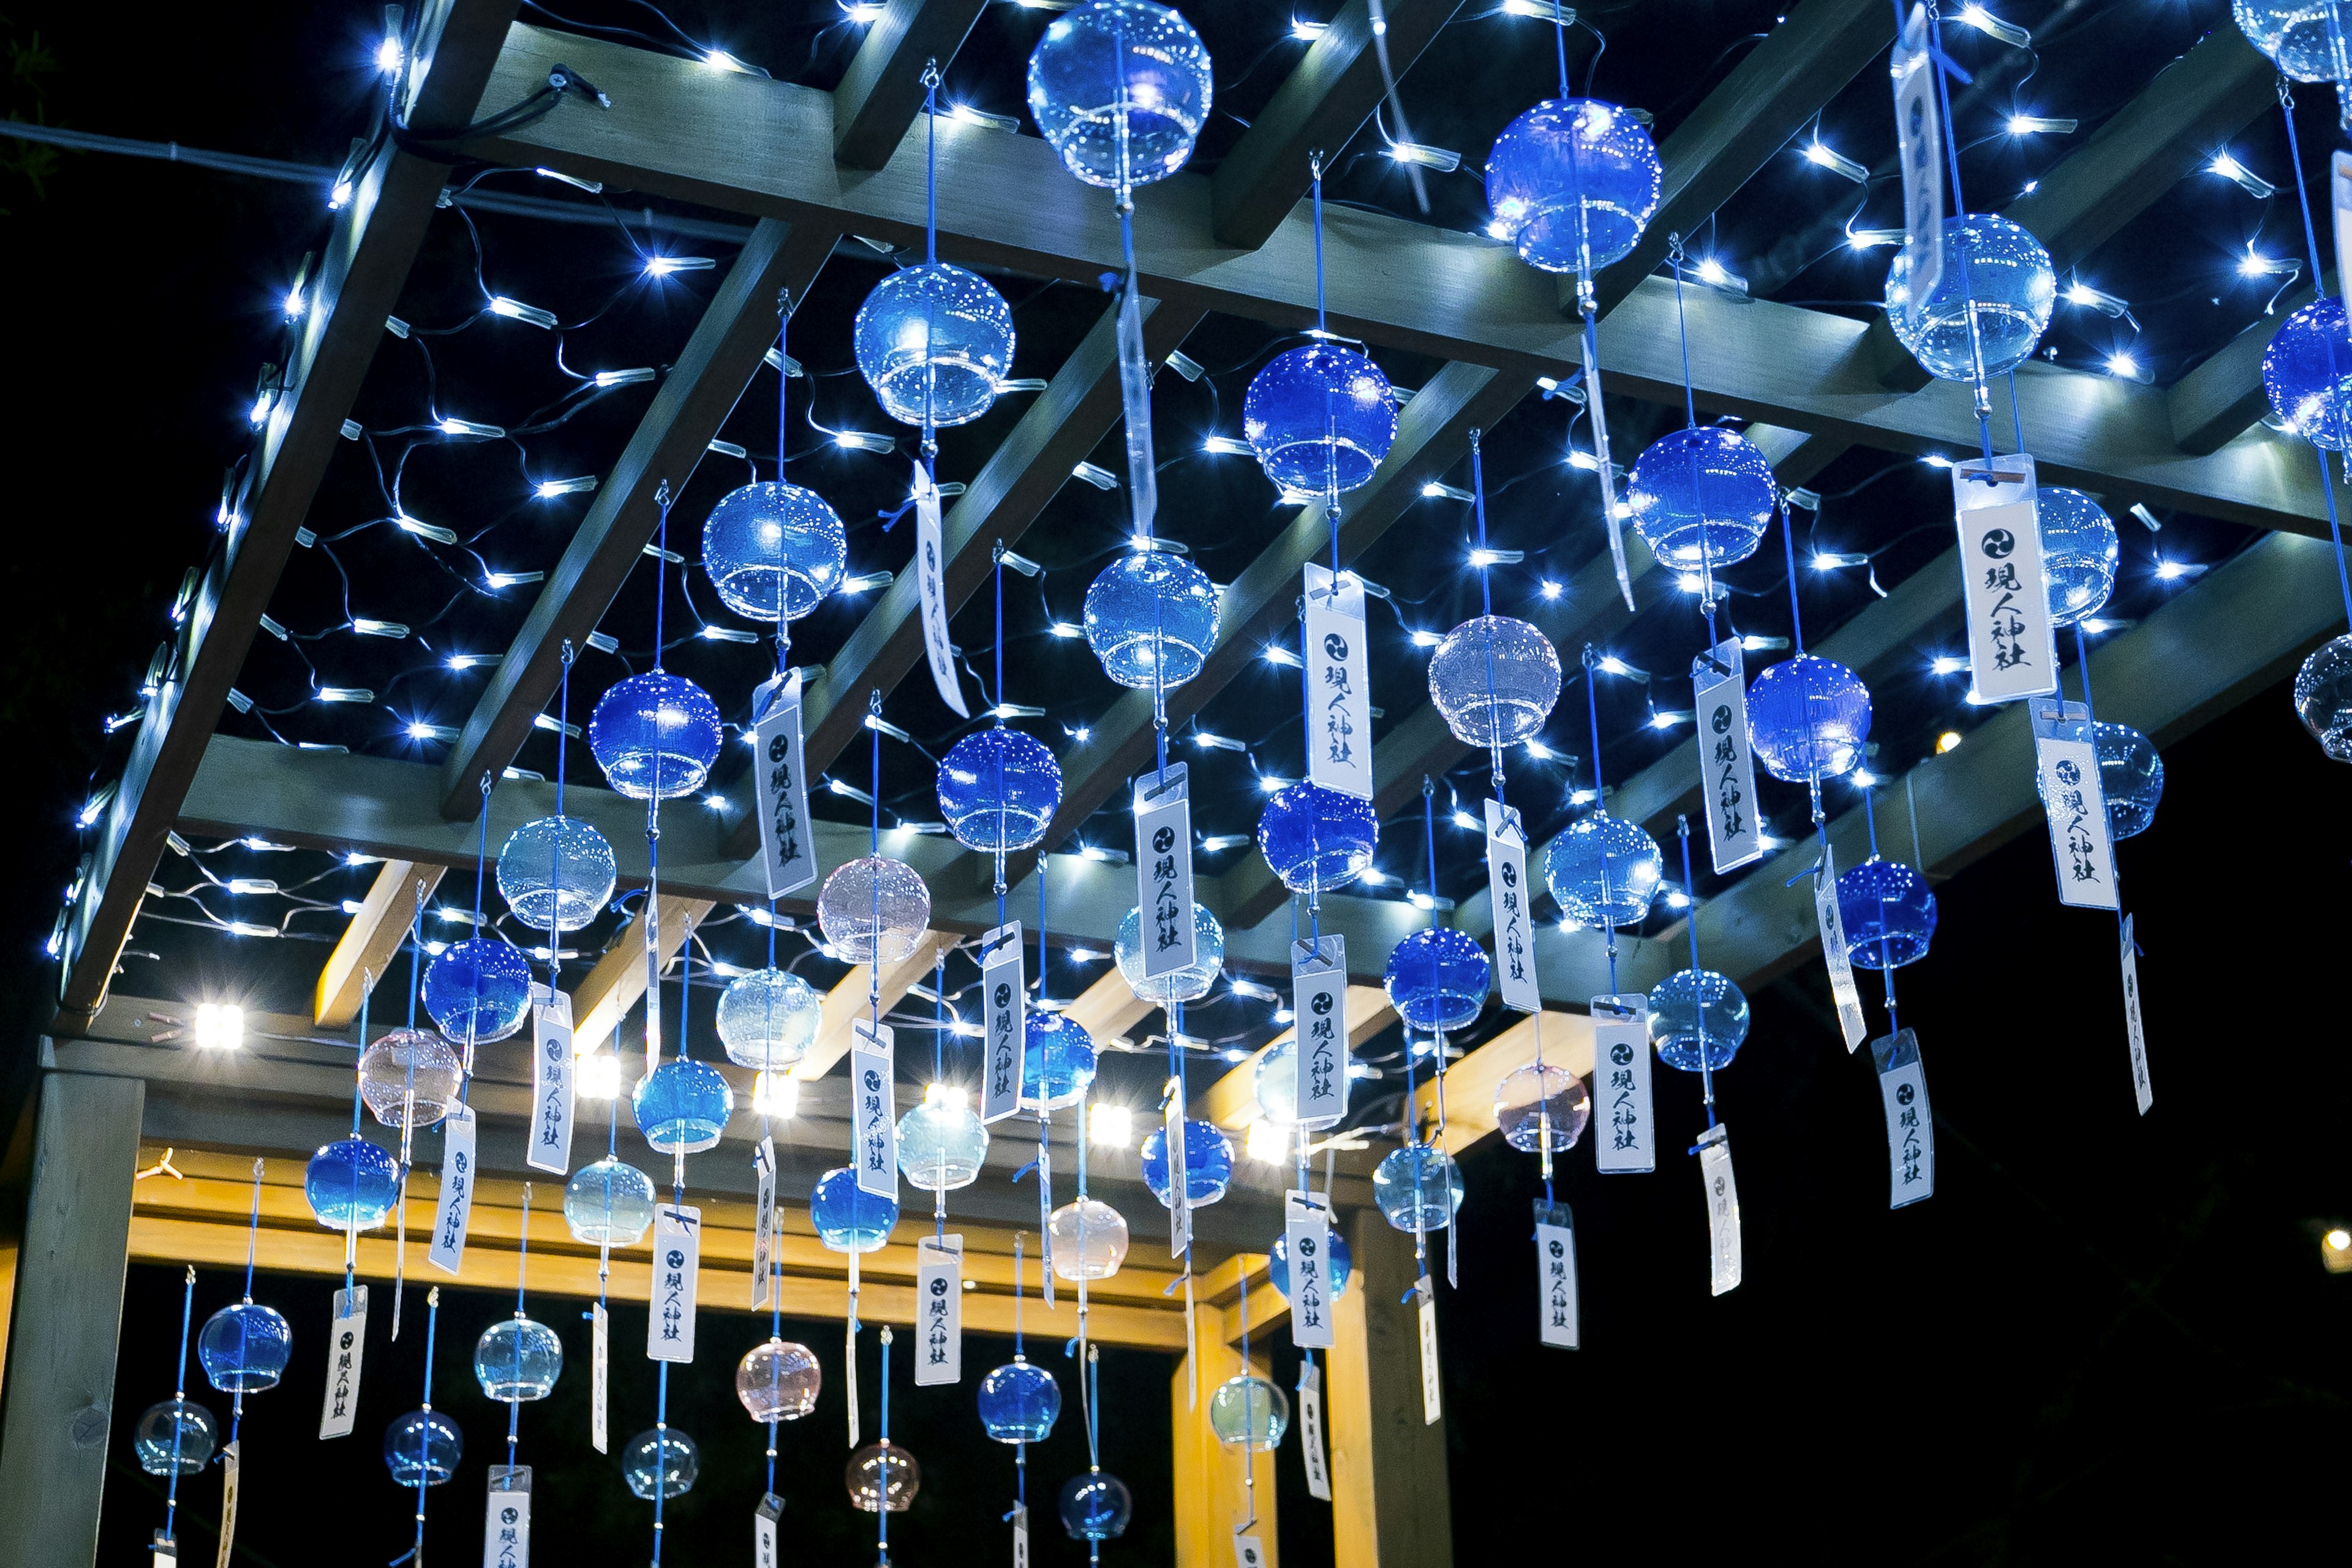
column 175, row 1436
column 408, row 1079
column 873, row 910
column 517, row 1360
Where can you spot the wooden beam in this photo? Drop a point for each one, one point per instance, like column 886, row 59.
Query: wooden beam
column 68, row 1317
column 1391, row 1504
column 367, row 258
column 2250, row 621
column 852, row 999
column 1078, row 408
column 617, row 983
column 1471, row 1082
column 2168, row 130
column 1108, row 1008
column 717, row 361
column 368, row 943
column 882, row 92
column 1743, row 123
column 2223, row 398
column 1317, row 110
column 1005, row 201
column 1432, row 432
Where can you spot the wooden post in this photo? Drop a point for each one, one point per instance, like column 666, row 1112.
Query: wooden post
column 1213, row 1497
column 69, row 1316
column 1390, row 1503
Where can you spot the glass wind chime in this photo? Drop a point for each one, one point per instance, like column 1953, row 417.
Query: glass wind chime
column 2307, row 368
column 422, row 1448
column 1094, row 1506
column 882, row 1476
column 408, row 1078
column 1572, row 183
column 244, row 1348
column 175, row 1436
column 516, row 1361
column 1019, row 1403
column 873, row 910
column 656, row 736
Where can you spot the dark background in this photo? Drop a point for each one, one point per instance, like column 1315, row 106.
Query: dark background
column 2106, row 1337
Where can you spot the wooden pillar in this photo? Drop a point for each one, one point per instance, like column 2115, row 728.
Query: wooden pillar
column 1212, row 1481
column 1389, row 1502
column 69, row 1316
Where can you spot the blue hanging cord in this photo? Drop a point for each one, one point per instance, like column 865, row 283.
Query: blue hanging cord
column 1600, row 804
column 661, row 573
column 1682, row 332
column 179, row 1414
column 1937, row 66
column 1315, row 170
column 1706, row 1066
column 1788, row 554
column 1560, row 22
column 874, row 847
column 882, row 1482
column 2334, row 380
column 425, row 1429
column 1886, row 961
column 661, row 1453
column 522, row 1262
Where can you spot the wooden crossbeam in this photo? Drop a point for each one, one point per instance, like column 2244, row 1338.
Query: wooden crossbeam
column 2168, row 130
column 1743, row 123
column 1005, row 200
column 1326, row 99
column 1077, row 409
column 618, row 983
column 2248, row 623
column 1258, row 606
column 1471, row 1082
column 373, row 936
column 882, row 92
column 717, row 361
column 854, row 997
column 375, row 239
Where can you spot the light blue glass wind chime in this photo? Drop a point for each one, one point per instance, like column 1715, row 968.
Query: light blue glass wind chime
column 516, row 1361
column 656, row 736
column 1572, row 182
column 1120, row 89
column 175, row 1436
column 422, row 1448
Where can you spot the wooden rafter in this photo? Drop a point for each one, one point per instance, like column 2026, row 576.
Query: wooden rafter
column 882, row 92
column 375, row 239
column 375, row 936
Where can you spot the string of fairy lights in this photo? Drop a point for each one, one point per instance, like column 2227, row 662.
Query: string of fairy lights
column 481, row 413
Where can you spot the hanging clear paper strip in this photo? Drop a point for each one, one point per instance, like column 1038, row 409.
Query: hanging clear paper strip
column 228, row 1462
column 1164, row 870
column 874, row 1107
column 2142, row 1089
column 1827, row 916
column 1919, row 135
column 1005, row 1020
column 1727, row 767
column 2012, row 647
column 1910, row 1126
column 1722, row 1208
column 763, row 1223
column 553, row 1084
column 505, row 1518
column 1180, row 1178
column 2339, row 192
column 787, row 847
column 1602, row 469
column 1627, row 1139
column 1135, row 401
column 1433, row 1403
column 1310, row 1428
column 937, row 650
column 1556, row 1276
column 454, row 1210
column 600, row 1345
column 1318, row 1007
column 1020, row 1537
column 346, row 1346
column 1509, row 897
column 1338, row 684
column 2066, row 763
